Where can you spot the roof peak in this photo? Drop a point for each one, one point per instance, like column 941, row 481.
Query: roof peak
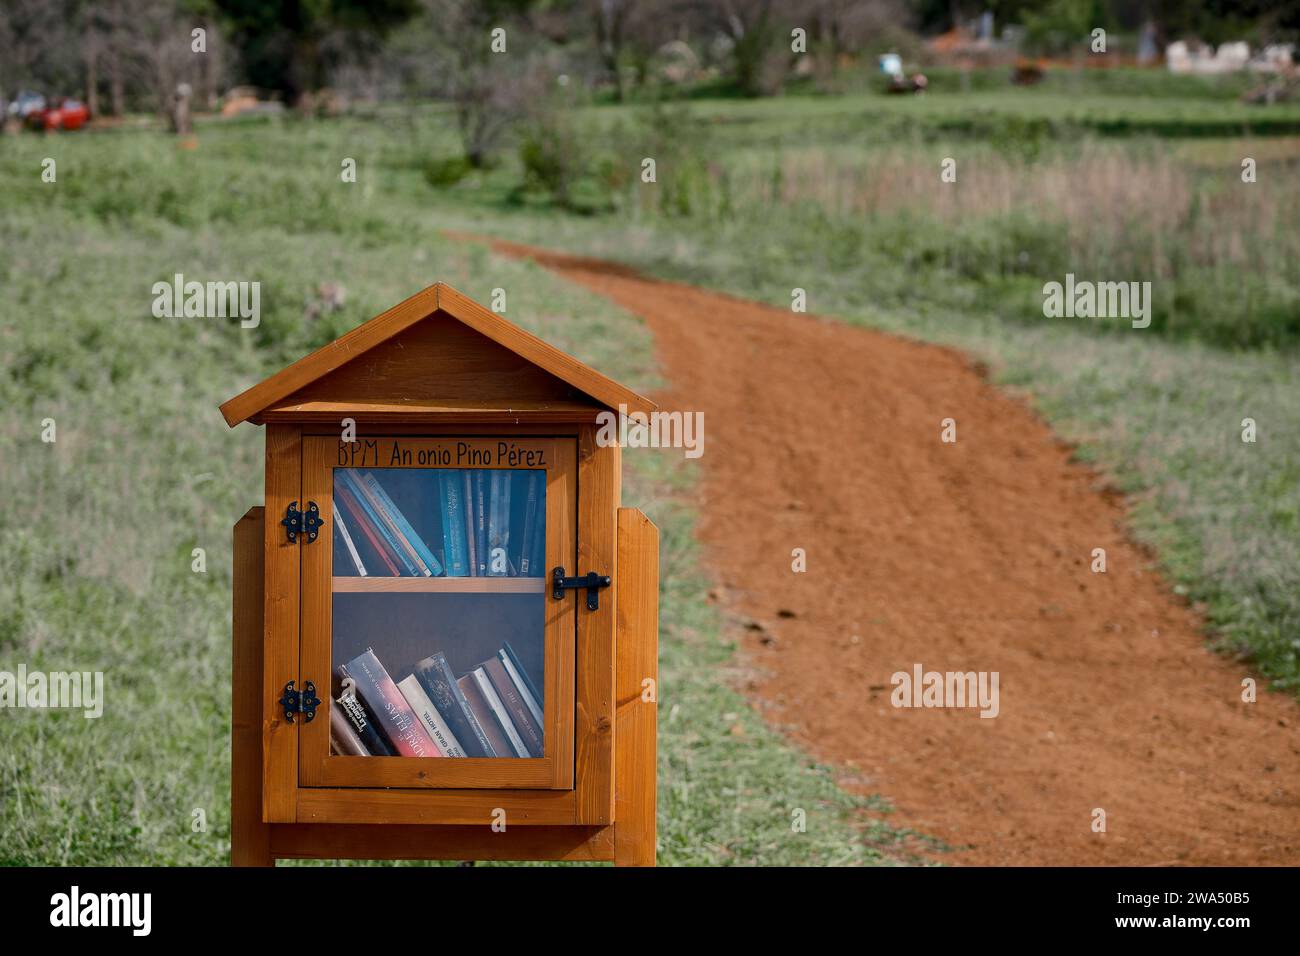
column 437, row 298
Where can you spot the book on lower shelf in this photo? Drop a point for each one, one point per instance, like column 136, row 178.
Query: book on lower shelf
column 376, row 689
column 491, row 710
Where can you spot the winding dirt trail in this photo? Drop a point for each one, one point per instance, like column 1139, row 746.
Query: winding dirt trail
column 965, row 556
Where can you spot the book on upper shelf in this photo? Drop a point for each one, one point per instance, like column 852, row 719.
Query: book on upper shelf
column 426, row 560
column 349, row 546
column 360, row 499
column 498, row 530
column 527, row 567
column 344, row 502
column 480, row 521
column 454, row 540
column 467, row 510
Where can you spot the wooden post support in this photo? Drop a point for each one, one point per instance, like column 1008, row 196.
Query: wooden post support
column 636, row 679
column 250, row 838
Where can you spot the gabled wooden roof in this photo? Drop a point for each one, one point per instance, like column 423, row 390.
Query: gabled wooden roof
column 443, row 369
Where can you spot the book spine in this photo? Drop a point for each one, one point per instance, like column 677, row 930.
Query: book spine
column 537, row 547
column 433, row 721
column 523, row 673
column 471, row 539
column 394, row 513
column 530, row 702
column 344, row 739
column 480, row 520
column 377, row 690
column 344, row 497
column 401, row 546
column 353, row 487
column 496, row 554
column 507, row 480
column 529, row 732
column 371, row 736
column 453, row 526
column 435, row 676
column 526, row 566
column 347, row 542
column 500, row 713
column 486, row 719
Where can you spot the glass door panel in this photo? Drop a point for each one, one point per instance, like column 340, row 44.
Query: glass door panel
column 447, row 658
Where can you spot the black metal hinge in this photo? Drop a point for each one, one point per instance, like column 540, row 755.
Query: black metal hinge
column 302, row 522
column 592, row 581
column 302, row 702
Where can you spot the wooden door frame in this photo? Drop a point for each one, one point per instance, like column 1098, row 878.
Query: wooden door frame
column 591, row 801
column 553, row 771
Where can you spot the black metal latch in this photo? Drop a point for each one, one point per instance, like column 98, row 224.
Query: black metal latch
column 302, row 702
column 592, row 581
column 302, row 522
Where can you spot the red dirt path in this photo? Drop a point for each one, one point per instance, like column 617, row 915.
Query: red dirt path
column 965, row 556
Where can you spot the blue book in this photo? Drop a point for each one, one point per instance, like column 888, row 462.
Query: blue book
column 498, row 533
column 350, row 482
column 455, row 547
column 480, row 520
column 403, row 525
column 527, row 567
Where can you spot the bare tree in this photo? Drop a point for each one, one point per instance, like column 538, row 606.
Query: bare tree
column 490, row 89
column 753, row 28
column 629, row 32
column 840, row 28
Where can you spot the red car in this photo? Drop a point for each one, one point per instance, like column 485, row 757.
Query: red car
column 65, row 114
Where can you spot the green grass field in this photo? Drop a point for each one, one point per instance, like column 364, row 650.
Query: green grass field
column 95, row 545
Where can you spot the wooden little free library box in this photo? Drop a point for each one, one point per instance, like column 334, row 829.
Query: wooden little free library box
column 445, row 625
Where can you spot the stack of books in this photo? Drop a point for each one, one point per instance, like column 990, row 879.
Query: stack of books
column 494, row 710
column 489, row 523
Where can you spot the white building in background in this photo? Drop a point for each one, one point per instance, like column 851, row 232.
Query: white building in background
column 1203, row 59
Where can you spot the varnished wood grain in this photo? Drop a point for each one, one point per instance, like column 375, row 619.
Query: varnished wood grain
column 280, row 624
column 504, row 410
column 460, row 807
column 638, row 661
column 407, row 842
column 317, row 767
column 599, row 490
column 392, row 325
column 250, row 838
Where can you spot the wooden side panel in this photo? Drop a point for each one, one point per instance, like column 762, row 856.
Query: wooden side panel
column 396, row 842
column 598, row 500
column 638, row 660
column 280, row 627
column 250, row 838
